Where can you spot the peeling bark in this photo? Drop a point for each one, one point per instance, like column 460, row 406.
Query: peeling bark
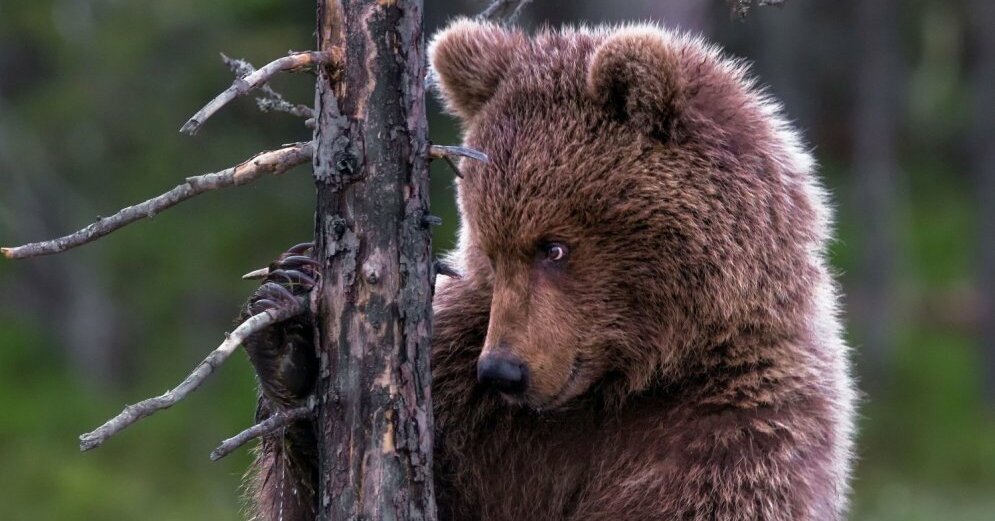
column 373, row 306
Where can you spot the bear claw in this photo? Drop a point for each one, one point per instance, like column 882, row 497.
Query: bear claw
column 293, row 274
column 297, row 261
column 301, row 248
column 283, row 354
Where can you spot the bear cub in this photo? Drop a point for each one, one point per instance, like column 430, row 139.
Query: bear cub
column 644, row 325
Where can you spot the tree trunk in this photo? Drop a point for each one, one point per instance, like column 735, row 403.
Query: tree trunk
column 374, row 302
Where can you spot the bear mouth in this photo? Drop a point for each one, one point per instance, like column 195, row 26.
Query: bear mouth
column 565, row 393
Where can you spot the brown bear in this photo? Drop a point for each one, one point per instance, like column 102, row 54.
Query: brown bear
column 645, row 325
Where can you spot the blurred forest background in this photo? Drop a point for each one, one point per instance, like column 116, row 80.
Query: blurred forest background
column 896, row 98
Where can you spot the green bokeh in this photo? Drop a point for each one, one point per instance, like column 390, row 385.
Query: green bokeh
column 94, row 95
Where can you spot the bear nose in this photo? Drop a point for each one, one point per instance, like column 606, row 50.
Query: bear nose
column 503, row 372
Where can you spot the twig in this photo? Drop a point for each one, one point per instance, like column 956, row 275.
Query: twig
column 268, row 426
column 271, row 99
column 504, row 10
column 447, row 153
column 244, row 85
column 274, row 102
column 441, row 151
column 133, row 413
column 446, row 270
column 274, row 162
column 431, row 220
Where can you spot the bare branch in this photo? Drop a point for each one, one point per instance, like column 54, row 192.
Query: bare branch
column 274, row 162
column 447, row 153
column 441, row 151
column 133, row 413
column 243, row 85
column 506, row 11
column 266, row 427
column 274, row 102
column 431, row 220
column 271, row 100
column 446, row 270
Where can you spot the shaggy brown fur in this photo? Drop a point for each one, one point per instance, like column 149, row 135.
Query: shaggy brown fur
column 685, row 357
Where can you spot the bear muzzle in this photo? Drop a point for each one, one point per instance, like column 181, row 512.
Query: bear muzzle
column 503, row 372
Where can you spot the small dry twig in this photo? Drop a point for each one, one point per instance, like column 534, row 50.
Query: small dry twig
column 274, row 102
column 443, row 151
column 243, row 85
column 274, row 162
column 136, row 412
column 447, row 153
column 506, row 11
column 266, row 427
column 271, row 100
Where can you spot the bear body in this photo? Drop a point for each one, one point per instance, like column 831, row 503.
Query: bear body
column 644, row 326
column 686, row 359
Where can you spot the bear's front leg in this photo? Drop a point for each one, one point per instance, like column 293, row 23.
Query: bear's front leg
column 284, row 476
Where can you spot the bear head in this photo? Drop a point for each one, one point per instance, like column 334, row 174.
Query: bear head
column 643, row 205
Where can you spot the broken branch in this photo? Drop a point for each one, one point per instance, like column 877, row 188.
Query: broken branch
column 136, row 412
column 443, row 151
column 243, row 85
column 446, row 270
column 274, row 102
column 266, row 427
column 274, row 162
column 447, row 153
column 271, row 99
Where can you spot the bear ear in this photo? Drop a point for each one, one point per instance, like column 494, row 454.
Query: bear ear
column 636, row 75
column 469, row 60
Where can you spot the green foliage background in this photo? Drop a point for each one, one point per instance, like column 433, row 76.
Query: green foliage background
column 91, row 95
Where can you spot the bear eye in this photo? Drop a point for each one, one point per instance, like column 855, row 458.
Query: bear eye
column 555, row 252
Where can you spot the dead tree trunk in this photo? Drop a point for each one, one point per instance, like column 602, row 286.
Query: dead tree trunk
column 373, row 305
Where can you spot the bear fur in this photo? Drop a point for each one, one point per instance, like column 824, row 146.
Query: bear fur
column 685, row 357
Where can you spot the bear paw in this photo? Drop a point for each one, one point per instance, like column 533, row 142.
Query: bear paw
column 283, row 355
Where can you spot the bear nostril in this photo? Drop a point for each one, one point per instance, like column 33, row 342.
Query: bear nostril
column 504, row 373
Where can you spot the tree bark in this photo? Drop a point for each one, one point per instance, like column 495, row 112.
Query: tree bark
column 374, row 301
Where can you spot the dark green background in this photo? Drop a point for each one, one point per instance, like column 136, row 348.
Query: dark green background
column 93, row 91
